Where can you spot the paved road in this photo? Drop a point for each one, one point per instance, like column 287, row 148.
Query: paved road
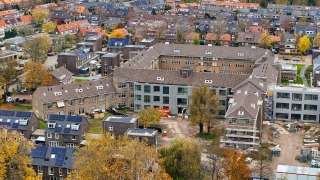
column 302, row 72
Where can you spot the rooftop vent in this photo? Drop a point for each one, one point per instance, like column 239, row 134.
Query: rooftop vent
column 240, row 54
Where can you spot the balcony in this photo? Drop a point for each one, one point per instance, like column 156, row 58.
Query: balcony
column 243, row 128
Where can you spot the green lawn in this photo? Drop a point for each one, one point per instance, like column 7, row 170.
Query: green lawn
column 309, row 69
column 206, row 135
column 298, row 80
column 96, row 124
column 285, row 82
column 42, row 125
column 80, row 80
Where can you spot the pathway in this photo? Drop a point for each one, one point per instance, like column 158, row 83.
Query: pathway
column 302, row 72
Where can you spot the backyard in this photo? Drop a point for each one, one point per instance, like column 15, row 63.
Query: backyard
column 298, row 78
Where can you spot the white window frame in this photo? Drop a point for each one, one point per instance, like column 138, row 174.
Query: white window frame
column 56, row 135
column 102, row 97
column 49, row 170
column 110, row 127
column 53, row 143
column 49, row 135
column 73, row 137
column 40, row 170
column 60, row 171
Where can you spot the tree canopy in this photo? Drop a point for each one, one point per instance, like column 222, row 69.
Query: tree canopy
column 39, row 15
column 195, row 40
column 116, row 34
column 36, row 75
column 37, row 49
column 49, row 27
column 64, row 42
column 122, row 158
column 304, row 44
column 265, row 40
column 149, row 115
column 316, row 40
column 204, row 106
column 8, row 72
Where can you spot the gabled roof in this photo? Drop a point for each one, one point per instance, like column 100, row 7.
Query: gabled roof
column 12, row 119
column 118, row 42
column 70, row 26
column 61, row 73
column 63, row 124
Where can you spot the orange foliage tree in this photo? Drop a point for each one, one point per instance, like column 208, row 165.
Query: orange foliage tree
column 235, row 165
column 116, row 34
column 36, row 76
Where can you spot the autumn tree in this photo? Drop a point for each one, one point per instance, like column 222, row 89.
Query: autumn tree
column 38, row 47
column 181, row 158
column 116, row 34
column 241, row 25
column 265, row 40
column 234, row 165
column 8, row 72
column 39, row 15
column 49, row 27
column 283, row 41
column 281, row 1
column 121, row 158
column 304, row 44
column 64, row 42
column 15, row 157
column 316, row 40
column 181, row 31
column 296, row 40
column 215, row 165
column 195, row 40
column 285, row 24
column 149, row 115
column 204, row 106
column 36, row 75
column 78, row 37
column 263, row 158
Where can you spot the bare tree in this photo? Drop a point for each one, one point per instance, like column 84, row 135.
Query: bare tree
column 283, row 40
column 285, row 24
column 161, row 31
column 181, row 31
column 263, row 157
column 219, row 28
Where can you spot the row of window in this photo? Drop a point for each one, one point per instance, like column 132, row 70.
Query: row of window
column 306, row 117
column 92, row 99
column 297, row 107
column 51, row 171
column 147, row 99
column 56, row 135
column 298, row 96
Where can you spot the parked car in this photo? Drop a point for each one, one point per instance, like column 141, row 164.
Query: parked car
column 296, row 59
column 286, row 59
column 9, row 99
column 14, row 100
column 19, row 50
column 50, row 54
column 22, row 100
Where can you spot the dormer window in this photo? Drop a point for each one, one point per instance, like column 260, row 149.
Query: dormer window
column 207, row 81
column 176, row 50
column 79, row 90
column 99, row 87
column 160, row 78
column 75, row 126
column 52, row 124
column 23, row 121
column 240, row 54
column 208, row 52
column 57, row 93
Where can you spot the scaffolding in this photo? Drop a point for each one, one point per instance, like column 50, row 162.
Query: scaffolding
column 268, row 108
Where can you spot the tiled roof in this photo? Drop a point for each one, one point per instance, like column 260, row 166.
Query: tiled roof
column 275, row 38
column 243, row 37
column 11, row 119
column 233, row 4
column 98, row 30
column 45, row 6
column 68, row 91
column 174, row 78
column 191, row 36
column 70, row 26
column 211, row 36
column 61, row 73
column 80, row 9
column 8, row 12
column 15, row 22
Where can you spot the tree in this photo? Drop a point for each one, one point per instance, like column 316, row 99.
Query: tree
column 204, row 106
column 78, row 37
column 296, row 39
column 11, row 33
column 120, row 158
column 16, row 6
column 37, row 49
column 48, row 27
column 285, row 24
column 15, row 157
column 181, row 158
column 263, row 3
column 263, row 158
column 316, row 40
column 64, row 42
column 219, row 29
column 181, row 31
column 283, row 40
column 241, row 25
column 281, row 2
column 8, row 72
column 36, row 75
column 235, row 165
column 149, row 115
column 153, row 12
column 304, row 44
column 116, row 34
column 39, row 15
column 265, row 40
column 195, row 40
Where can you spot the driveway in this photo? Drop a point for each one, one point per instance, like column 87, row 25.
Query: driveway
column 302, row 75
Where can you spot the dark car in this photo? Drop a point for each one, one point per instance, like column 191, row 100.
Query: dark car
column 286, row 59
column 22, row 100
column 50, row 54
column 14, row 100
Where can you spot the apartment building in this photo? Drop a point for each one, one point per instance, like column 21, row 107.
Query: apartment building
column 74, row 99
column 23, row 122
column 52, row 163
column 68, row 131
column 217, row 59
column 296, row 103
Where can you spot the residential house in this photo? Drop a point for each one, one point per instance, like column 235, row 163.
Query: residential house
column 70, row 28
column 237, row 5
column 92, row 31
column 288, row 72
column 64, row 17
column 225, row 39
column 248, row 39
column 16, row 23
column 52, row 162
column 150, row 135
column 61, row 76
column 23, row 122
column 116, row 44
column 129, row 51
column 7, row 14
column 63, row 130
column 110, row 22
column 75, row 98
column 108, row 62
column 189, row 37
column 118, row 125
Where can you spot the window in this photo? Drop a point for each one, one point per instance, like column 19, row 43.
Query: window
column 137, row 107
column 56, row 135
column 70, row 102
column 309, row 117
column 112, row 95
column 71, row 112
column 40, row 169
column 222, row 112
column 53, row 143
column 50, row 169
column 60, row 172
column 156, row 98
column 138, row 87
column 165, row 100
column 147, row 89
column 92, row 108
column 222, row 92
column 182, row 101
column 282, row 105
column 102, row 97
column 132, row 104
column 296, row 107
column 110, row 128
column 310, row 107
column 131, row 94
column 138, row 97
column 296, row 97
column 182, row 91
column 222, row 102
column 296, row 117
column 165, row 90
column 49, row 135
column 131, row 85
column 146, row 98
column 81, row 100
column 283, row 95
column 70, row 145
column 282, row 115
column 122, row 95
column 68, row 172
column 122, row 85
column 122, row 104
column 156, row 88
column 49, row 106
column 81, row 110
column 311, row 97
column 102, row 107
column 53, row 178
column 175, row 62
column 92, row 99
column 73, row 137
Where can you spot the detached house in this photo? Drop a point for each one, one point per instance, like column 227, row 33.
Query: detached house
column 70, row 28
column 62, row 130
column 248, row 38
column 118, row 125
column 61, row 76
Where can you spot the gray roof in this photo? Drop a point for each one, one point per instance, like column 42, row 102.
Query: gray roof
column 63, row 124
column 141, row 132
column 15, row 119
column 110, row 55
column 61, row 73
column 42, row 156
column 174, row 78
column 121, row 119
column 68, row 91
column 93, row 37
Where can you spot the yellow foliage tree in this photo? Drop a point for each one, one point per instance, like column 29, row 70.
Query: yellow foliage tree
column 116, row 34
column 121, row 158
column 316, row 40
column 281, row 1
column 234, row 164
column 149, row 115
column 36, row 76
column 37, row 49
column 15, row 157
column 265, row 40
column 48, row 27
column 304, row 44
column 39, row 15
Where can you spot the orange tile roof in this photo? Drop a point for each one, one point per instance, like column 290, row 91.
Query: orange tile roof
column 24, row 20
column 11, row 1
column 191, row 36
column 235, row 4
column 183, row 5
column 170, row 1
column 45, row 6
column 80, row 9
column 98, row 30
column 275, row 38
column 257, row 29
column 6, row 12
column 70, row 26
column 211, row 36
column 194, row 4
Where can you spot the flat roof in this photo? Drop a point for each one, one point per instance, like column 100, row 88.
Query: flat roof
column 296, row 88
column 122, row 119
column 110, row 55
column 142, row 132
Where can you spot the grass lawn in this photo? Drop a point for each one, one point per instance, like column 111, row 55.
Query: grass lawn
column 16, row 107
column 96, row 124
column 80, row 80
column 298, row 80
column 206, row 135
column 42, row 125
column 309, row 69
column 285, row 82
